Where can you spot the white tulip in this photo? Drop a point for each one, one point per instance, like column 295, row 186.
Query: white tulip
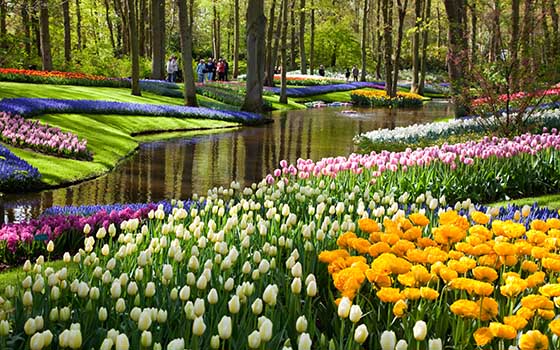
column 225, row 327
column 420, row 330
column 176, row 344
column 344, row 307
column 435, row 344
column 301, row 324
column 388, row 340
column 198, row 327
column 254, row 340
column 355, row 313
column 304, row 342
column 122, row 342
column 361, row 334
column 402, row 345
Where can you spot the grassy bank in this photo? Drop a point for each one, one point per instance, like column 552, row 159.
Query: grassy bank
column 551, row 201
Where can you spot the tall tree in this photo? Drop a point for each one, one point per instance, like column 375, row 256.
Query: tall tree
column 67, row 34
column 302, row 57
column 293, row 40
column 269, row 61
column 235, row 39
column 474, row 25
column 364, row 39
column 142, row 29
column 216, row 44
column 25, row 21
column 496, row 42
column 185, row 31
column 526, row 31
column 401, row 7
column 312, row 39
column 387, row 9
column 158, row 39
column 457, row 52
column 3, row 15
column 134, row 50
column 283, row 52
column 418, row 25
column 110, row 26
column 555, row 24
column 379, row 39
column 256, row 24
column 80, row 44
column 424, row 59
column 46, row 56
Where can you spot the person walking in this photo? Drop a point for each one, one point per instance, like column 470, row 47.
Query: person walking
column 200, row 70
column 226, row 69
column 210, row 67
column 172, row 69
column 355, row 72
column 322, row 70
column 221, row 69
column 347, row 74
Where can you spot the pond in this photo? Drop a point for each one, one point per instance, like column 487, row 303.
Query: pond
column 179, row 167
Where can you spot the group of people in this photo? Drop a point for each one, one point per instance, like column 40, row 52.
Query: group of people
column 212, row 70
column 355, row 73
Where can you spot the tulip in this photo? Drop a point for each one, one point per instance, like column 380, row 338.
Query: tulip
column 361, row 334
column 146, row 339
column 355, row 313
column 162, row 316
column 120, row 305
column 37, row 342
column 199, row 307
column 4, row 328
column 27, row 299
column 75, row 339
column 107, row 344
column 344, row 307
column 435, row 344
column 312, row 289
column 122, row 342
column 296, row 285
column 102, row 314
column 213, row 296
column 198, row 327
column 50, row 247
column 167, row 272
column 401, row 345
column 388, row 340
column 225, row 327
column 215, row 342
column 29, row 326
column 304, row 342
column 150, row 289
column 301, row 324
column 176, row 344
column 254, row 340
column 420, row 330
column 234, row 305
column 257, row 306
column 265, row 329
column 145, row 320
column 270, row 294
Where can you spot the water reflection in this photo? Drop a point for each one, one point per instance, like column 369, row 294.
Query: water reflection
column 179, row 167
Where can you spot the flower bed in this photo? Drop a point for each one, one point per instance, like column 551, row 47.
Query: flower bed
column 402, row 137
column 62, row 78
column 20, row 132
column 466, row 282
column 15, row 173
column 323, row 89
column 554, row 91
column 306, row 80
column 28, row 107
column 379, row 98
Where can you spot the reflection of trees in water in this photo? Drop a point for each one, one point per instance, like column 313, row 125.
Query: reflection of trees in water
column 178, row 168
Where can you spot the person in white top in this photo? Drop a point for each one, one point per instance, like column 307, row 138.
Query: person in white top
column 172, row 69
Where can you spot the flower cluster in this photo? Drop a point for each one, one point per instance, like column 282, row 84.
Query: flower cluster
column 15, row 173
column 56, row 77
column 502, row 275
column 306, row 80
column 35, row 106
column 324, row 89
column 20, row 132
column 414, row 134
column 554, row 91
column 379, row 98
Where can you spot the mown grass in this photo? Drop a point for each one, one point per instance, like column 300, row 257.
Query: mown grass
column 551, row 201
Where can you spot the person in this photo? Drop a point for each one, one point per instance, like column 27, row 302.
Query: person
column 172, row 69
column 347, row 74
column 210, row 69
column 355, row 72
column 322, row 70
column 221, row 69
column 226, row 69
column 200, row 70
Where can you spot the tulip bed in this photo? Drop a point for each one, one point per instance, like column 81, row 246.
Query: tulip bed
column 28, row 107
column 62, row 78
column 20, row 132
column 414, row 135
column 15, row 173
column 324, row 89
column 379, row 98
column 306, row 80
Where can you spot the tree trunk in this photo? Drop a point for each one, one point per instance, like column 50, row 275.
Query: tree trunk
column 46, row 56
column 185, row 31
column 277, row 35
column 25, row 24
column 256, row 24
column 133, row 35
column 110, row 26
column 142, row 29
column 283, row 51
column 379, row 40
column 456, row 53
column 293, row 41
column 312, row 40
column 67, row 36
column 3, row 27
column 388, row 40
column 36, row 29
column 364, row 40
column 402, row 13
column 80, row 43
column 554, row 24
column 269, row 77
column 474, row 21
column 416, row 46
column 424, row 59
column 121, row 10
column 528, row 27
column 514, row 43
column 439, row 30
column 496, row 43
column 215, row 32
column 158, row 39
column 302, row 57
column 236, row 39
column 548, row 44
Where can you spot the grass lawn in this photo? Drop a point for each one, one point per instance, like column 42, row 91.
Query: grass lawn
column 551, row 200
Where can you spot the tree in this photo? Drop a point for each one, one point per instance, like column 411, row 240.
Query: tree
column 424, row 59
column 46, row 56
column 256, row 24
column 235, row 39
column 185, row 31
column 79, row 26
column 416, row 46
column 401, row 7
column 158, row 39
column 283, row 51
column 67, row 36
column 312, row 40
column 303, row 59
column 134, row 49
column 457, row 52
column 388, row 40
column 110, row 26
column 269, row 78
column 364, row 40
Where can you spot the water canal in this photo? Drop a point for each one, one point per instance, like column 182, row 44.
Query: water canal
column 179, row 167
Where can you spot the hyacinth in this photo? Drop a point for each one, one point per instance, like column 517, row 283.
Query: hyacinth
column 323, row 89
column 15, row 173
column 16, row 130
column 27, row 107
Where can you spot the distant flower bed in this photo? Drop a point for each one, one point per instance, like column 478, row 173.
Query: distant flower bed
column 379, row 98
column 28, row 107
column 307, row 80
column 15, row 173
column 324, row 89
column 234, row 96
column 56, row 77
column 555, row 91
column 20, row 132
column 410, row 135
